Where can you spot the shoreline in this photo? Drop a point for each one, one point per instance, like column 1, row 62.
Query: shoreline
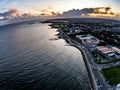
column 92, row 82
column 97, row 81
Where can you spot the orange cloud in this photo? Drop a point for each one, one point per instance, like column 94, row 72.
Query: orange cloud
column 103, row 12
column 49, row 11
column 14, row 12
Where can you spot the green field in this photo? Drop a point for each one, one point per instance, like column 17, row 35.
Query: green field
column 112, row 75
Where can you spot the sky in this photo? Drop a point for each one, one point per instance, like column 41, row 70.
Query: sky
column 57, row 5
column 26, row 8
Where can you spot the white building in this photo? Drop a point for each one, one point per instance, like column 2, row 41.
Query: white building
column 118, row 87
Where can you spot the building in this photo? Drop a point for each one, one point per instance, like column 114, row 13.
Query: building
column 118, row 87
column 107, row 52
column 116, row 49
column 84, row 37
column 104, row 49
column 88, row 39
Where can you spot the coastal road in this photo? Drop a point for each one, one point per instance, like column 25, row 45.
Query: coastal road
column 102, row 85
column 98, row 78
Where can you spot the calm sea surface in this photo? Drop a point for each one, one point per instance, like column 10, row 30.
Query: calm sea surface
column 32, row 59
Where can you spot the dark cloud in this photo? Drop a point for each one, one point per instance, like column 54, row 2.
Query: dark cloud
column 55, row 13
column 42, row 14
column 103, row 10
column 87, row 11
column 77, row 12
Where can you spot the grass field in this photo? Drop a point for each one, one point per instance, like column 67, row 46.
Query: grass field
column 112, row 75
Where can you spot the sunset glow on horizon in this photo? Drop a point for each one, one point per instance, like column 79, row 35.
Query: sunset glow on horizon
column 26, row 8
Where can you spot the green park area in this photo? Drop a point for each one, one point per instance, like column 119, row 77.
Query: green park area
column 112, row 75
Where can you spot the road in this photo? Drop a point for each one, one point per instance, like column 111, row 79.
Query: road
column 99, row 80
column 108, row 65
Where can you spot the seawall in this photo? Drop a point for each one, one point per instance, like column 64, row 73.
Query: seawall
column 92, row 81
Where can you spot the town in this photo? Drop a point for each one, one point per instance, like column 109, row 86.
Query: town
column 101, row 38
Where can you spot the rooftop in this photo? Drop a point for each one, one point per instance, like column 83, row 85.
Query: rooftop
column 104, row 49
column 116, row 49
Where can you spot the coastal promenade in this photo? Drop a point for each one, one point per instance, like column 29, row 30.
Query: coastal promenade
column 96, row 80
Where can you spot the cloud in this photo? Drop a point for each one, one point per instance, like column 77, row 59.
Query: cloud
column 14, row 15
column 49, row 11
column 77, row 12
column 55, row 13
column 96, row 12
column 49, row 7
column 14, row 12
column 104, row 12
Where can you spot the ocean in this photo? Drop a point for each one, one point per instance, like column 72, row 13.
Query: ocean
column 32, row 57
